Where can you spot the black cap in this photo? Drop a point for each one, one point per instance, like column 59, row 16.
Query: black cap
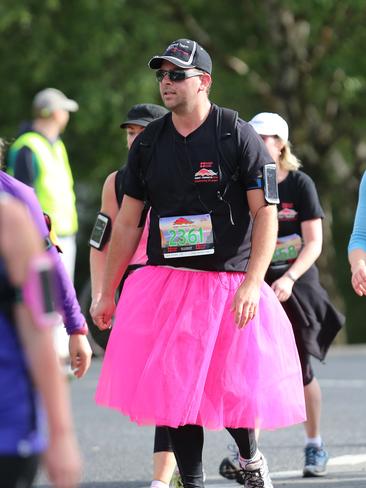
column 144, row 113
column 185, row 54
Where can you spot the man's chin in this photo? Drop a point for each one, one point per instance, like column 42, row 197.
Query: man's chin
column 169, row 104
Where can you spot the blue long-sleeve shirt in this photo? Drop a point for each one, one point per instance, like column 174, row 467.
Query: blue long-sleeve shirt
column 358, row 236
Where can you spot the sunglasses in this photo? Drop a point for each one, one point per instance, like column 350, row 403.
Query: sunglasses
column 177, row 75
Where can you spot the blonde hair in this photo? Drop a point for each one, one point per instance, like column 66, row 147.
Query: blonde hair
column 288, row 160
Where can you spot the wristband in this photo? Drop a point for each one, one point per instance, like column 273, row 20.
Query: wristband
column 291, row 276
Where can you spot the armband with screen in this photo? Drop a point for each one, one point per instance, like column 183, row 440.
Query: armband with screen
column 270, row 184
column 40, row 292
column 101, row 231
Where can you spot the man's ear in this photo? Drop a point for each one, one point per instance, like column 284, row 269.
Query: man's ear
column 206, row 82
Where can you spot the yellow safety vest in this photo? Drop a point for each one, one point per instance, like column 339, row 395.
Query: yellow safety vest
column 54, row 184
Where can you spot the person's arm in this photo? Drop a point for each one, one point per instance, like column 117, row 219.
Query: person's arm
column 357, row 244
column 20, row 244
column 263, row 244
column 76, row 327
column 109, row 206
column 125, row 238
column 312, row 236
column 25, row 168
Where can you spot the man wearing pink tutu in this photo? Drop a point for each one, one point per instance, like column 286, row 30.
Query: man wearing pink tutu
column 199, row 340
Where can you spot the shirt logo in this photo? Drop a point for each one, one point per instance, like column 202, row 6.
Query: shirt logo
column 287, row 213
column 205, row 174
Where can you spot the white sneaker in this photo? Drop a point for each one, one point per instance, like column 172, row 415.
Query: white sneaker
column 255, row 474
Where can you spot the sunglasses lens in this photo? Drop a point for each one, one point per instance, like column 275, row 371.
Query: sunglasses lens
column 177, row 75
column 160, row 75
column 173, row 75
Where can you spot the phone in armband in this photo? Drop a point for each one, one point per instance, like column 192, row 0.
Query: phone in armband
column 41, row 292
column 101, row 231
column 270, row 184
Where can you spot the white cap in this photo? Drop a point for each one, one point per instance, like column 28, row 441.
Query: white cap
column 50, row 99
column 269, row 124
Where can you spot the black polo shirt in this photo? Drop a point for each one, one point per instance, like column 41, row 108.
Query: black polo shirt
column 185, row 177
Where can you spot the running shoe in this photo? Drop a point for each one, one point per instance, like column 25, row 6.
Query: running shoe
column 316, row 459
column 255, row 474
column 176, row 481
column 229, row 467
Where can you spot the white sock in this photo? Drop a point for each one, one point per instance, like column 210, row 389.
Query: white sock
column 158, row 484
column 314, row 441
column 243, row 462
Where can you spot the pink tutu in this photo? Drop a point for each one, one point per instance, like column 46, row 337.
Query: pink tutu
column 176, row 357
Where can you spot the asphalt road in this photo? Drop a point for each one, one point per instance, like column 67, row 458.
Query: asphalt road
column 117, row 453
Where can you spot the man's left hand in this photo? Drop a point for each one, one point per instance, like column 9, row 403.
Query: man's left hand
column 245, row 302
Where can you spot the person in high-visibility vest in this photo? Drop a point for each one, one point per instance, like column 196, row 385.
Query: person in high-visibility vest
column 38, row 158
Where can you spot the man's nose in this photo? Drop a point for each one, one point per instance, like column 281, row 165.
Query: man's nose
column 166, row 79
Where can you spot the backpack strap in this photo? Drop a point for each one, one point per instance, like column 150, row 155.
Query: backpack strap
column 118, row 185
column 147, row 144
column 227, row 141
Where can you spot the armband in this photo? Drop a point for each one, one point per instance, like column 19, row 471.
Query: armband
column 270, row 184
column 101, row 231
column 40, row 292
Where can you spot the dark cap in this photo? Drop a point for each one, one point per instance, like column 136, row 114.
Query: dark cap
column 185, row 54
column 144, row 113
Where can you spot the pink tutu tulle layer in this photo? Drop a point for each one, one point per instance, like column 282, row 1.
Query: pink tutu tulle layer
column 176, row 357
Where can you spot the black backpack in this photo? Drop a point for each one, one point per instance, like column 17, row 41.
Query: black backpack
column 119, row 185
column 225, row 134
column 227, row 146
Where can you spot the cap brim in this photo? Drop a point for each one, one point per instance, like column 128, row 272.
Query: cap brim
column 142, row 122
column 264, row 130
column 156, row 62
column 70, row 105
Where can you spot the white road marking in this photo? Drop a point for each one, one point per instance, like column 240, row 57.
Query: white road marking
column 330, row 383
column 349, row 459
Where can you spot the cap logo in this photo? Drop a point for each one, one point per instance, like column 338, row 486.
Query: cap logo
column 178, row 50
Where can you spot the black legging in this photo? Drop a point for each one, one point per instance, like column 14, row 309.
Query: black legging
column 16, row 472
column 187, row 442
column 162, row 441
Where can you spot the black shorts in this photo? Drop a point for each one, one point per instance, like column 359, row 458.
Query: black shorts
column 16, row 471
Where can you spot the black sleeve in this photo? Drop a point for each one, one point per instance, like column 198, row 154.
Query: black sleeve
column 254, row 156
column 308, row 199
column 24, row 166
column 119, row 185
column 133, row 184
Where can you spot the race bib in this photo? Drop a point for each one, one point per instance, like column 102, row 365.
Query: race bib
column 186, row 235
column 287, row 248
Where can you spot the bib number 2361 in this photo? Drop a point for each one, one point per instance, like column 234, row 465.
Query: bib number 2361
column 186, row 235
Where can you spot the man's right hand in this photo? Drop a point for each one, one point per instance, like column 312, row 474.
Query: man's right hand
column 102, row 312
